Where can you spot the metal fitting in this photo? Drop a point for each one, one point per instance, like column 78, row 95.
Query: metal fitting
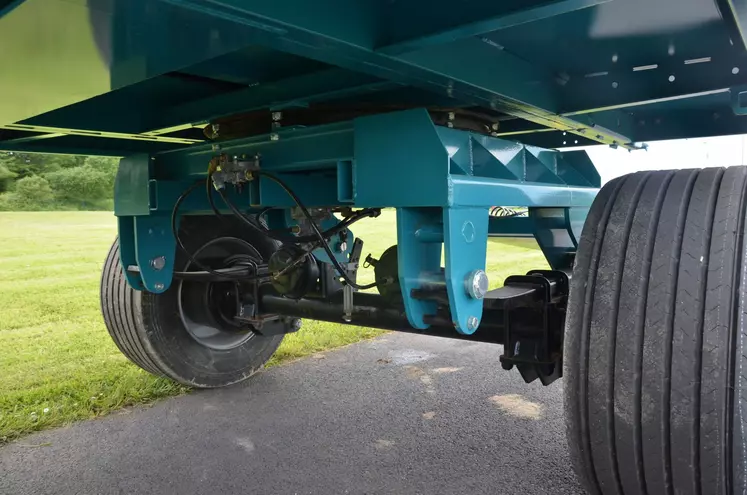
column 158, row 263
column 472, row 323
column 296, row 324
column 452, row 115
column 159, row 286
column 277, row 116
column 274, row 137
column 343, row 246
column 476, row 284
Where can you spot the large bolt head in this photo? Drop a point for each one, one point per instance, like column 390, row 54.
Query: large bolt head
column 158, row 263
column 476, row 284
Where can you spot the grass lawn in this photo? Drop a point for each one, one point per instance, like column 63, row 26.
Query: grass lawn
column 57, row 362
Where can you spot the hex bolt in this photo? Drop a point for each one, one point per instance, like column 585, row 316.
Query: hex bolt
column 476, row 284
column 452, row 115
column 158, row 263
column 274, row 137
column 494, row 126
column 277, row 116
column 215, row 128
column 296, row 324
column 159, row 286
column 343, row 246
column 472, row 323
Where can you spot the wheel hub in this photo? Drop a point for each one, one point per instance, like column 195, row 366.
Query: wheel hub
column 208, row 309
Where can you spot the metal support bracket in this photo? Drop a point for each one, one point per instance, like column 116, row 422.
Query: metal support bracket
column 465, row 250
column 422, row 232
column 155, row 248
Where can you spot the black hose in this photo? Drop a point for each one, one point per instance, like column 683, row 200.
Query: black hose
column 290, row 239
column 319, row 235
column 179, row 243
column 211, row 200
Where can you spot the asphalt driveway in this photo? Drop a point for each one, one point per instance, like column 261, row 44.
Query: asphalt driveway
column 400, row 414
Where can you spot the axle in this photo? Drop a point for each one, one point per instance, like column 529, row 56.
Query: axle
column 371, row 310
column 526, row 316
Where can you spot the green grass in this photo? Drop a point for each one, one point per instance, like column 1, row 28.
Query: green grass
column 57, row 362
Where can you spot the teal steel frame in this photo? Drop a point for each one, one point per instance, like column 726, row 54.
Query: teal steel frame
column 442, row 182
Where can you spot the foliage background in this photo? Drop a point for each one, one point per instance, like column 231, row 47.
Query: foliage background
column 35, row 182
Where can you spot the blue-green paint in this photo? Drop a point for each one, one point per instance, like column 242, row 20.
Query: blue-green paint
column 442, row 182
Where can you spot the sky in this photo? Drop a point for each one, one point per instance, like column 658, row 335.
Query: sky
column 682, row 153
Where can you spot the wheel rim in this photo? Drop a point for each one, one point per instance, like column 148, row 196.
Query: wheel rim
column 207, row 309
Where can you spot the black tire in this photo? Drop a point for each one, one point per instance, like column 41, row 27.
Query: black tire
column 655, row 388
column 149, row 329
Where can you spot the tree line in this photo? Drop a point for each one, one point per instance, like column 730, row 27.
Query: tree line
column 37, row 182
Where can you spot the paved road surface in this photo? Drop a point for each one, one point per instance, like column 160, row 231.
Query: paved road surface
column 400, row 414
